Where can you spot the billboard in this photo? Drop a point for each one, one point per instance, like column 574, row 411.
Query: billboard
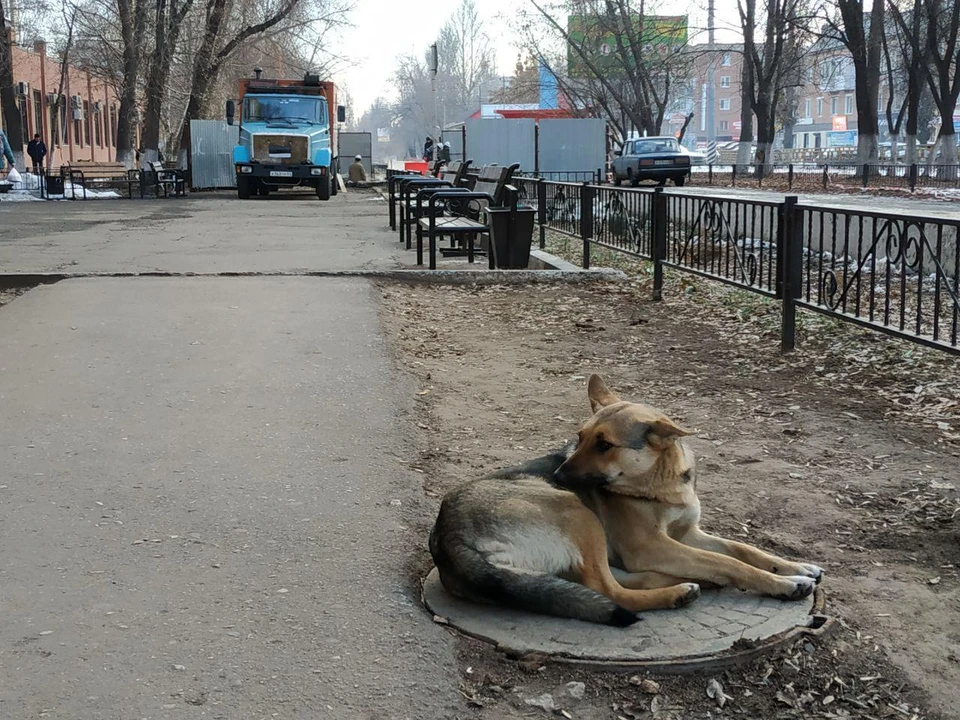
column 597, row 36
column 841, row 138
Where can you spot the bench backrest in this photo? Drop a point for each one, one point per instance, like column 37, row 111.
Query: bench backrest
column 452, row 171
column 493, row 179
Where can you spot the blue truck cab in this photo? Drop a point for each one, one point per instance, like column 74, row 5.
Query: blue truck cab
column 287, row 135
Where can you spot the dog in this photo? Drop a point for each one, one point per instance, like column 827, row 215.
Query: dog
column 601, row 530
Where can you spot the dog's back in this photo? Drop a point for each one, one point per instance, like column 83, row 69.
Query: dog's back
column 498, row 540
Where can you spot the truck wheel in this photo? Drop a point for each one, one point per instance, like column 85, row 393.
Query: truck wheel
column 243, row 188
column 334, row 185
column 263, row 190
column 323, row 188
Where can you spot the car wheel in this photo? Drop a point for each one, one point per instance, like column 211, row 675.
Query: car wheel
column 680, row 181
column 616, row 180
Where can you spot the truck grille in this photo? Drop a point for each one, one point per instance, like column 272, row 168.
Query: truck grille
column 284, row 149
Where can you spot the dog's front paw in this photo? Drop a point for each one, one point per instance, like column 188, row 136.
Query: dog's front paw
column 799, row 569
column 812, row 571
column 796, row 587
column 686, row 595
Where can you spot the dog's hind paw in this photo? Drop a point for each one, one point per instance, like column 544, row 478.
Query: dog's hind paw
column 802, row 586
column 691, row 594
column 621, row 617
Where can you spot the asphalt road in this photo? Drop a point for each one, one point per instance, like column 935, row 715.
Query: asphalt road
column 202, row 509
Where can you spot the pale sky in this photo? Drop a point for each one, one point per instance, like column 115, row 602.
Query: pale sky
column 385, row 29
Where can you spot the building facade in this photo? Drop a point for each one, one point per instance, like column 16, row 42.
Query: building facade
column 79, row 123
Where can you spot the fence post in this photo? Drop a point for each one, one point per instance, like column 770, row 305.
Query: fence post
column 463, row 140
column 790, row 176
column 913, row 177
column 542, row 211
column 733, row 176
column 658, row 226
column 536, row 149
column 825, row 171
column 791, row 280
column 866, row 175
column 586, row 221
column 710, row 174
column 599, row 176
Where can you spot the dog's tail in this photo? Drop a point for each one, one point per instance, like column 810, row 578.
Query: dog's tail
column 466, row 573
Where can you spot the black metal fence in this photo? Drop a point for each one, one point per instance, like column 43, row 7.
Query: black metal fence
column 898, row 275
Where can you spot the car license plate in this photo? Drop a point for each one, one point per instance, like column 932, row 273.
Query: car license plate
column 664, row 162
column 281, row 173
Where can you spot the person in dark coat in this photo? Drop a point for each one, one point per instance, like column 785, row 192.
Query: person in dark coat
column 37, row 151
column 428, row 149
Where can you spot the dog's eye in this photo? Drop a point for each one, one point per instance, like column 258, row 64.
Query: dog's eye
column 602, row 445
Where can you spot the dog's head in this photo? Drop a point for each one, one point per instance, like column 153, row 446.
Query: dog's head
column 626, row 447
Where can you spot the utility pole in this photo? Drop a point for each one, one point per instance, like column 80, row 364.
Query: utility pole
column 434, row 68
column 711, row 120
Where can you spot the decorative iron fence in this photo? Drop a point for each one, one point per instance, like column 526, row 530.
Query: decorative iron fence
column 898, row 275
column 812, row 177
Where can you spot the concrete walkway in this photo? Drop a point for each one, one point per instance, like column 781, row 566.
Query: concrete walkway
column 203, row 233
column 202, row 512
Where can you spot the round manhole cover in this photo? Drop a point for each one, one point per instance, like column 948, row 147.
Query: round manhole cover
column 721, row 627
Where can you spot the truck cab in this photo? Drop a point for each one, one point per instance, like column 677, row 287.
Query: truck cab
column 286, row 136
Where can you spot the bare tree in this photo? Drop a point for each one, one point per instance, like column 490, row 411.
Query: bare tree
column 168, row 20
column 8, row 91
column 465, row 62
column 862, row 35
column 773, row 66
column 933, row 35
column 133, row 23
column 636, row 73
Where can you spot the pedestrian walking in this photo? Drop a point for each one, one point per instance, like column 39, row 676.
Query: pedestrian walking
column 37, row 151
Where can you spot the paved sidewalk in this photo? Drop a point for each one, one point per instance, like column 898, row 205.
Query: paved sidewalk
column 202, row 512
column 203, row 233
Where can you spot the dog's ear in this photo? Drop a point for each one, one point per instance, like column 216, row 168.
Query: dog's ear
column 665, row 431
column 600, row 396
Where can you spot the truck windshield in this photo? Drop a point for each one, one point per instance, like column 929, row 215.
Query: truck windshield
column 265, row 108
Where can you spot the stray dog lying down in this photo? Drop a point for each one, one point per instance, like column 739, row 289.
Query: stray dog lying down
column 601, row 530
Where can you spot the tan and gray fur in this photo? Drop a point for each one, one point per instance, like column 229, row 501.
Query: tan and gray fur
column 601, row 530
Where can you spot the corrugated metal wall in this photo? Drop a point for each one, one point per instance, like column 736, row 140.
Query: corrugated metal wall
column 572, row 144
column 211, row 154
column 503, row 142
column 566, row 145
column 353, row 144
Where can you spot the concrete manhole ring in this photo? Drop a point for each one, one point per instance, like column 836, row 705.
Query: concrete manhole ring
column 722, row 627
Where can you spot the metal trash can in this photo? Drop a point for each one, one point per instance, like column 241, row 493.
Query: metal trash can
column 54, row 185
column 511, row 232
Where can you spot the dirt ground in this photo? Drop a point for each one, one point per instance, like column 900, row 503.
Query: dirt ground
column 843, row 454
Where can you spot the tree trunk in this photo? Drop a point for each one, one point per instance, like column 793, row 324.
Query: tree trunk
column 132, row 24
column 766, row 131
column 169, row 21
column 8, row 93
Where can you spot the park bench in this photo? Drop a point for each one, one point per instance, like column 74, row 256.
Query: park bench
column 167, row 179
column 456, row 172
column 100, row 175
column 460, row 214
column 409, row 211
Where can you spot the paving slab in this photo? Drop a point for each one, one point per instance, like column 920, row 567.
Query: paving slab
column 713, row 630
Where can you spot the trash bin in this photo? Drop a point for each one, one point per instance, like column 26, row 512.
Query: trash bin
column 511, row 232
column 54, row 185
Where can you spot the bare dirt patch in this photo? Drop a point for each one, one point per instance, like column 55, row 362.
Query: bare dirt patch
column 844, row 453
